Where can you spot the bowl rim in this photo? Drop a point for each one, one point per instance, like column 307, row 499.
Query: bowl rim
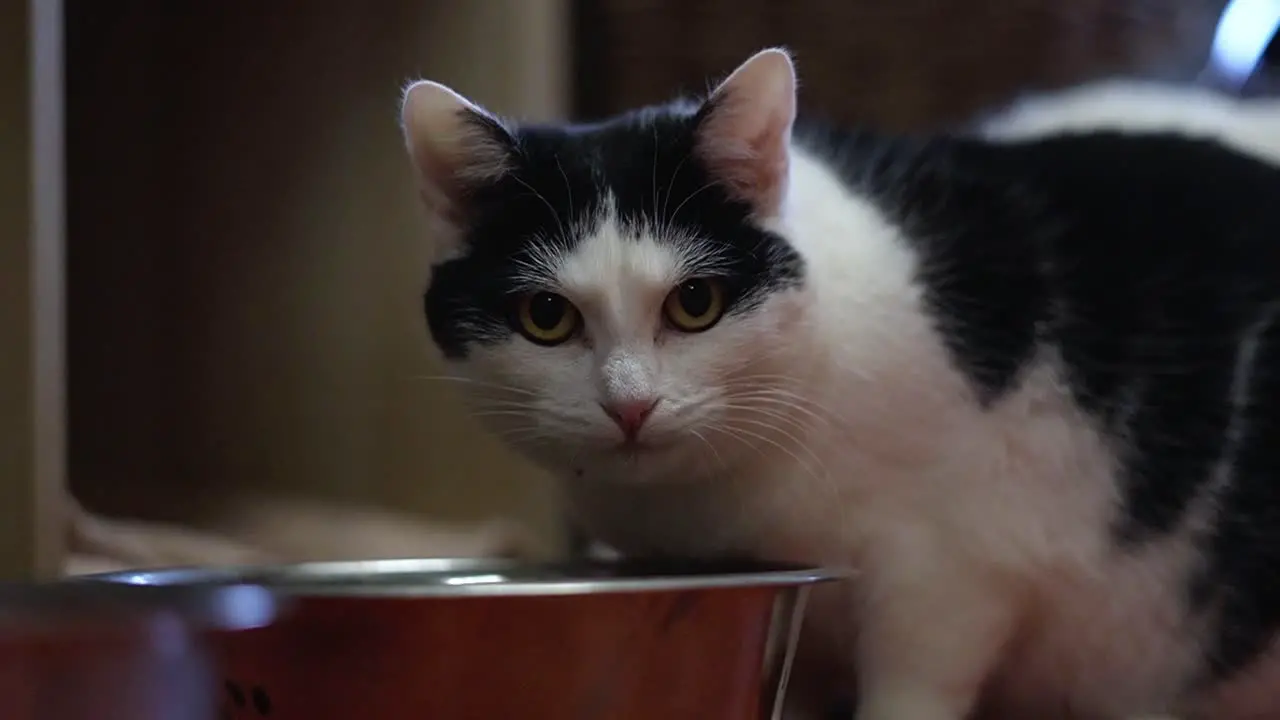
column 477, row 577
column 225, row 606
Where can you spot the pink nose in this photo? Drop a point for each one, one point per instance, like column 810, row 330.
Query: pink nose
column 630, row 414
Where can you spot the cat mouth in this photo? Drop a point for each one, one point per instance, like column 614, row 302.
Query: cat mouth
column 633, row 447
column 639, row 446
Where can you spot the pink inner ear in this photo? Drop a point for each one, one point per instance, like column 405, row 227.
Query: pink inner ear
column 449, row 209
column 451, row 169
column 440, row 189
column 747, row 150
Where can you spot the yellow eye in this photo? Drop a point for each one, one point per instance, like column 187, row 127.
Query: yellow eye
column 546, row 318
column 695, row 305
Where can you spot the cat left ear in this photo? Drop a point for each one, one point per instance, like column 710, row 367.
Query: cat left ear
column 456, row 145
column 744, row 130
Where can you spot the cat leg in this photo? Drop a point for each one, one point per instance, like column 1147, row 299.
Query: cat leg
column 929, row 635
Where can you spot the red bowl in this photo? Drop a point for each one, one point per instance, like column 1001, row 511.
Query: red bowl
column 71, row 651
column 459, row 639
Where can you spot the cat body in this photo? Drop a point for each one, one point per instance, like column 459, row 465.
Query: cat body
column 1016, row 379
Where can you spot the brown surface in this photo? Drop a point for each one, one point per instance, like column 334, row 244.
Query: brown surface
column 623, row 656
column 246, row 259
column 904, row 63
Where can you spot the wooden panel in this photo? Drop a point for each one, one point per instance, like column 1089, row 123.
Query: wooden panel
column 247, row 261
column 31, row 379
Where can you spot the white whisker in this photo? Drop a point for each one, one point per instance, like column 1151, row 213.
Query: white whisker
column 501, row 404
column 502, row 413
column 692, row 195
column 662, row 216
column 521, row 435
column 800, row 444
column 478, row 383
column 796, row 403
column 772, row 413
column 567, row 187
column 564, row 230
column 712, row 448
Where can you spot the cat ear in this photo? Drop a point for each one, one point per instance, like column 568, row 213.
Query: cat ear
column 744, row 130
column 456, row 146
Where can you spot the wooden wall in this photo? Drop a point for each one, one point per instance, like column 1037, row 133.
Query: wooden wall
column 899, row 63
column 246, row 258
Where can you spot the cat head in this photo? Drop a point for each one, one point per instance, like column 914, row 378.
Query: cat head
column 612, row 291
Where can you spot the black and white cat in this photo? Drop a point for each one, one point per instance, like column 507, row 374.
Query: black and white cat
column 1026, row 380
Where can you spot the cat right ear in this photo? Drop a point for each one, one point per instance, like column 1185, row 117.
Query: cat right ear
column 456, row 146
column 744, row 130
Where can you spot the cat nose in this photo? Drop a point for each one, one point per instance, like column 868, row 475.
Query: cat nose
column 630, row 414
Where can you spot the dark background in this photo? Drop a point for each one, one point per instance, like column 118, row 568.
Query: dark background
column 904, row 63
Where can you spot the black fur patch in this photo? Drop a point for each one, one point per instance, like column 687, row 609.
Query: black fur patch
column 1141, row 263
column 1241, row 572
column 562, row 176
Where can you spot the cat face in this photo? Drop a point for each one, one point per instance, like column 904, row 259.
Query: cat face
column 613, row 291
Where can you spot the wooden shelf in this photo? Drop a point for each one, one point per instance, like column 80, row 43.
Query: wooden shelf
column 244, row 258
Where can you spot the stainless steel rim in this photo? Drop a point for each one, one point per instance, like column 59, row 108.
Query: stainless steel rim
column 227, row 606
column 468, row 577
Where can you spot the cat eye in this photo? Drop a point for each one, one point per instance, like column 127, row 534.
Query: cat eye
column 694, row 305
column 546, row 318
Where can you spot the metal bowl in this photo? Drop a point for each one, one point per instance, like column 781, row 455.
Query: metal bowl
column 72, row 651
column 443, row 638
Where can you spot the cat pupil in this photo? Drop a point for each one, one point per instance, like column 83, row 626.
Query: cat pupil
column 695, row 297
column 546, row 310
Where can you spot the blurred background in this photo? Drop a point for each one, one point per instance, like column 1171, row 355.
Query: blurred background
column 244, row 252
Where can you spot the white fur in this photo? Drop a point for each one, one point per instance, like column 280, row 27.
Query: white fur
column 1251, row 126
column 830, row 426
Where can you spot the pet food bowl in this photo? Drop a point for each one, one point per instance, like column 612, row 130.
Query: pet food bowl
column 71, row 651
column 479, row 639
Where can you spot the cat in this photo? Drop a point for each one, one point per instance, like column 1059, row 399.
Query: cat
column 1015, row 376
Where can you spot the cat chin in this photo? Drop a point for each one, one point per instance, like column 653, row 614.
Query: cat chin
column 618, row 465
column 653, row 465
